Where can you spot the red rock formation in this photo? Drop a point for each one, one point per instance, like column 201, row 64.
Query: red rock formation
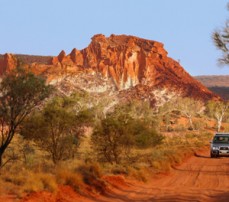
column 7, row 63
column 76, row 57
column 59, row 58
column 128, row 61
column 2, row 66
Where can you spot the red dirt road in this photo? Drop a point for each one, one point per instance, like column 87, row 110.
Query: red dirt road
column 200, row 178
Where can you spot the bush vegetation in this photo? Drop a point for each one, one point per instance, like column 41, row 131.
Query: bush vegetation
column 119, row 134
column 76, row 140
column 54, row 129
column 21, row 93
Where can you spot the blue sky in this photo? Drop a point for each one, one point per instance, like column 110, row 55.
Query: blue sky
column 45, row 27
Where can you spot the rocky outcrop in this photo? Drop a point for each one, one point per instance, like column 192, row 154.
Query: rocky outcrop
column 7, row 63
column 130, row 62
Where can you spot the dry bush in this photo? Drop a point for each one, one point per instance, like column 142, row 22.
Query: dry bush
column 140, row 173
column 27, row 181
column 199, row 125
column 92, row 174
column 118, row 170
column 81, row 176
column 39, row 173
column 180, row 128
column 176, row 149
column 68, row 177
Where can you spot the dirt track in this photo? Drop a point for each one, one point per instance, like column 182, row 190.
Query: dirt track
column 200, row 178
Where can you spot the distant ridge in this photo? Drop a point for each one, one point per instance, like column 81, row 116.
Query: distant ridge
column 29, row 59
column 219, row 84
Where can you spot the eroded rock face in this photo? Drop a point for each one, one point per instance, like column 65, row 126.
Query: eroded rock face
column 128, row 61
column 7, row 63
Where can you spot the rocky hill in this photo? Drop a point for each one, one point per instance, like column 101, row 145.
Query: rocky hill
column 218, row 84
column 126, row 65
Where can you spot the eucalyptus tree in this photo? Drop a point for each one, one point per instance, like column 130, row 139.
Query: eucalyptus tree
column 21, row 93
column 221, row 41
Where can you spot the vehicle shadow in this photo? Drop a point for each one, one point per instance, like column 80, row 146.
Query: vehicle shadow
column 208, row 156
column 201, row 155
column 221, row 197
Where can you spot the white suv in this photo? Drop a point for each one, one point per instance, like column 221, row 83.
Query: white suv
column 220, row 145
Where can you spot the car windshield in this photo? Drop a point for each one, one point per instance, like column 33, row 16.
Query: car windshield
column 221, row 139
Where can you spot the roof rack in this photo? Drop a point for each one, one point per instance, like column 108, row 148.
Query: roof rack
column 222, row 133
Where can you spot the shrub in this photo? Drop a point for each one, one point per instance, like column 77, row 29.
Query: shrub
column 118, row 134
column 179, row 128
column 21, row 93
column 145, row 136
column 198, row 125
column 69, row 177
column 54, row 129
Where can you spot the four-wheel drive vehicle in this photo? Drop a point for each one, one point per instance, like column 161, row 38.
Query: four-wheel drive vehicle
column 220, row 145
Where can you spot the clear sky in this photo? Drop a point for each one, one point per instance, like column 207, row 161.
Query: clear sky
column 45, row 27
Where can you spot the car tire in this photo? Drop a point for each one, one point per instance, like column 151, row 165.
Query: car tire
column 214, row 155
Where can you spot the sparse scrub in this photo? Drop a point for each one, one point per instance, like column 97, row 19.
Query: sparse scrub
column 141, row 174
column 27, row 181
column 180, row 128
column 198, row 125
column 21, row 93
column 119, row 133
column 218, row 111
column 125, row 144
column 39, row 182
column 69, row 177
column 92, row 176
column 56, row 129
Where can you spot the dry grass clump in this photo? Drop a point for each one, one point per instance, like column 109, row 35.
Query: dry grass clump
column 118, row 169
column 30, row 174
column 27, row 181
column 39, row 182
column 175, row 149
column 164, row 159
column 92, row 174
column 68, row 177
column 84, row 176
column 140, row 173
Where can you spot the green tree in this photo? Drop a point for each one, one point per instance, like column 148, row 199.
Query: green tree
column 123, row 130
column 21, row 93
column 221, row 41
column 57, row 128
column 140, row 110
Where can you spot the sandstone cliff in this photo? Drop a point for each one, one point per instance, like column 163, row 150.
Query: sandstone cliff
column 130, row 62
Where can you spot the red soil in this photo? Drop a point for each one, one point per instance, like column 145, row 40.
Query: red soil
column 200, row 178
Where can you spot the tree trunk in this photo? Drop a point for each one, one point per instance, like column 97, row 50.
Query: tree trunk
column 1, row 156
column 219, row 125
column 190, row 122
column 1, row 160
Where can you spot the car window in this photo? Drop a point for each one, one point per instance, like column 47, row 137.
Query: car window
column 220, row 139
